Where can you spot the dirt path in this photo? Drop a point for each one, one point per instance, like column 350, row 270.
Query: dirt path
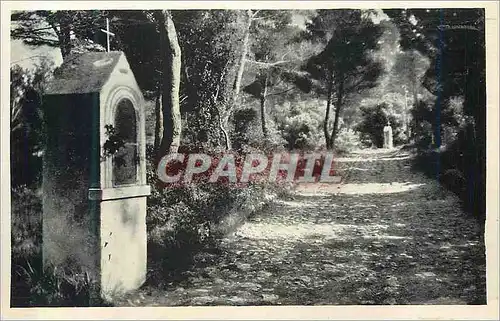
column 386, row 235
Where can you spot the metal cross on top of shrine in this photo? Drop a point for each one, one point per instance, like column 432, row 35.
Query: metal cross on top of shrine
column 107, row 32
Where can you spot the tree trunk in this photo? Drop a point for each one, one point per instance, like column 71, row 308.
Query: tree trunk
column 65, row 41
column 227, row 140
column 158, row 122
column 338, row 109
column 414, row 91
column 414, row 78
column 328, row 107
column 171, row 66
column 216, row 105
column 263, row 105
column 241, row 60
column 61, row 24
column 240, row 67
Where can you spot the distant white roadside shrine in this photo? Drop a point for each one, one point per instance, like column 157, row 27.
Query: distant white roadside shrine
column 94, row 204
column 388, row 136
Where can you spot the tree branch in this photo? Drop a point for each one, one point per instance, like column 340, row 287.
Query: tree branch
column 281, row 92
column 15, row 112
column 268, row 64
column 252, row 16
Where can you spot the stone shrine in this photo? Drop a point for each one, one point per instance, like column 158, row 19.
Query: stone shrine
column 388, row 136
column 94, row 197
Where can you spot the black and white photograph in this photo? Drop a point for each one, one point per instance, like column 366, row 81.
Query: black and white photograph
column 246, row 155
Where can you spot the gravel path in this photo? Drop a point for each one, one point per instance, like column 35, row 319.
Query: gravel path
column 386, row 235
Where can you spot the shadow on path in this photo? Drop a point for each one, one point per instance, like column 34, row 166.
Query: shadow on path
column 384, row 236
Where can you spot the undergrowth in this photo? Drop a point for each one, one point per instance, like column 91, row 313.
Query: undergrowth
column 181, row 221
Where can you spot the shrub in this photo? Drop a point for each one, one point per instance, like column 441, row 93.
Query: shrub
column 180, row 221
column 459, row 162
column 26, row 89
column 301, row 123
column 26, row 222
column 458, row 167
column 347, row 140
column 183, row 219
column 26, row 238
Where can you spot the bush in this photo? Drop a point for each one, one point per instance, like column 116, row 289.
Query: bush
column 181, row 220
column 26, row 89
column 300, row 124
column 459, row 162
column 347, row 140
column 458, row 168
column 184, row 219
column 26, row 222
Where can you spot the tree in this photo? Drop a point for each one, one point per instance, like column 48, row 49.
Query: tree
column 202, row 35
column 407, row 74
column 213, row 43
column 70, row 30
column 454, row 41
column 400, row 85
column 247, row 23
column 26, row 129
column 278, row 54
column 137, row 34
column 345, row 66
column 170, row 84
